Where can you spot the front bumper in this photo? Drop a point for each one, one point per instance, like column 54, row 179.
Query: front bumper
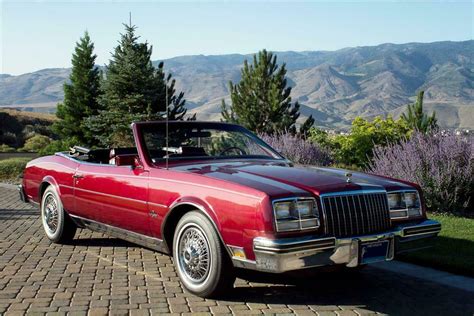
column 286, row 254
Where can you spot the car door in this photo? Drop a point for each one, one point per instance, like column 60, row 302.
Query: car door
column 113, row 195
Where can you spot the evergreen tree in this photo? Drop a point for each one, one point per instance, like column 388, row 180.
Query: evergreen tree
column 416, row 119
column 176, row 103
column 129, row 86
column 261, row 100
column 80, row 94
column 133, row 90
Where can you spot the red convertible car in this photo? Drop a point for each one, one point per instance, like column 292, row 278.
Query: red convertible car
column 216, row 198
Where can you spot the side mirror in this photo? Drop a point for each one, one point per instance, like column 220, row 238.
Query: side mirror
column 126, row 160
column 137, row 163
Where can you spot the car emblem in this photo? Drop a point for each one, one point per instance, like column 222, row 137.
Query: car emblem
column 349, row 177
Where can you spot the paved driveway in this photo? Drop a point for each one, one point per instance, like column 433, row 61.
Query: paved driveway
column 100, row 275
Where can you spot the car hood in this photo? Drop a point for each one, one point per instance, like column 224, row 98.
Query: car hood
column 282, row 179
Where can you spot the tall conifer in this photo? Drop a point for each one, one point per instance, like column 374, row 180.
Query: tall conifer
column 133, row 90
column 417, row 119
column 80, row 94
column 261, row 100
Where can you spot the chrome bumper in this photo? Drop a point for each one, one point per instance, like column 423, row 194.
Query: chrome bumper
column 280, row 255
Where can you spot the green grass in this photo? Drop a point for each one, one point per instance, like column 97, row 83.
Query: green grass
column 11, row 169
column 453, row 249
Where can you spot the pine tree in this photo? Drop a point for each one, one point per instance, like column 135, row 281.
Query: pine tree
column 416, row 119
column 176, row 103
column 133, row 90
column 80, row 94
column 261, row 100
column 130, row 76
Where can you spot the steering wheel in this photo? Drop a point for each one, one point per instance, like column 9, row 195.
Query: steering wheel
column 242, row 152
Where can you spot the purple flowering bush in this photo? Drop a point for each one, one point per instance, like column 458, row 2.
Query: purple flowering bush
column 442, row 164
column 297, row 149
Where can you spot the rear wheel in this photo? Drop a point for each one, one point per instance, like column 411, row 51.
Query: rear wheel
column 203, row 265
column 57, row 225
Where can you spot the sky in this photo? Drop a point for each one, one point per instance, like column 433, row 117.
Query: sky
column 42, row 34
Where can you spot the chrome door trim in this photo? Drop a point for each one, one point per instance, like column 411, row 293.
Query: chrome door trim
column 133, row 237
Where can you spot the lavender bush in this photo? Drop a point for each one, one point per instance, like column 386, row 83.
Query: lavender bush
column 298, row 150
column 442, row 164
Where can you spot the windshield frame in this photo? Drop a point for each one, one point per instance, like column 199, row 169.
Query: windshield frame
column 143, row 127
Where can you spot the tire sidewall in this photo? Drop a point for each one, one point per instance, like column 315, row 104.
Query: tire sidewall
column 199, row 221
column 50, row 191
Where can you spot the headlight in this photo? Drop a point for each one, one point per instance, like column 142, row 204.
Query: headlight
column 404, row 204
column 282, row 210
column 296, row 214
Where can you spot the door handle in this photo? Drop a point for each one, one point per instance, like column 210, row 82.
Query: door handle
column 78, row 176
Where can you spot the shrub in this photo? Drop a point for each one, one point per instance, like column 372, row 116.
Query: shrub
column 57, row 146
column 4, row 148
column 11, row 169
column 298, row 150
column 442, row 164
column 355, row 148
column 36, row 143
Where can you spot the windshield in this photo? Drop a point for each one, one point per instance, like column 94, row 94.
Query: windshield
column 194, row 140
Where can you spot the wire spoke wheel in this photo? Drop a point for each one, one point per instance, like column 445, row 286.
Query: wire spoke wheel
column 194, row 259
column 51, row 213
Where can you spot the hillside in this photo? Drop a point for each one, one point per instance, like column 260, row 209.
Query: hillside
column 332, row 86
column 16, row 126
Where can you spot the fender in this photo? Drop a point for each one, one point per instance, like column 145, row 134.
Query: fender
column 48, row 180
column 198, row 204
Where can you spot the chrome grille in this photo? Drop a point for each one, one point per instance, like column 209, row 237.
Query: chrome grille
column 355, row 214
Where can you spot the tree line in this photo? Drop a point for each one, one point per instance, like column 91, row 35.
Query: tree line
column 100, row 103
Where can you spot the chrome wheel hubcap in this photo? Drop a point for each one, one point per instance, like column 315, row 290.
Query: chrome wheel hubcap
column 194, row 257
column 50, row 213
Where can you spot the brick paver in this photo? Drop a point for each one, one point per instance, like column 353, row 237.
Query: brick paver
column 98, row 275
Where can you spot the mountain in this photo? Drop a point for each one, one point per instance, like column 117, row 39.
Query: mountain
column 333, row 86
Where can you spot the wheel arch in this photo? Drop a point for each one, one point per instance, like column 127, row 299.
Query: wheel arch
column 45, row 183
column 177, row 211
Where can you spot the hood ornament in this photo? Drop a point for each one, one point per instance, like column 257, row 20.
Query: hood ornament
column 349, row 177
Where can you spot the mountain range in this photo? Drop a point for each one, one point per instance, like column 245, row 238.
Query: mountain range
column 333, row 86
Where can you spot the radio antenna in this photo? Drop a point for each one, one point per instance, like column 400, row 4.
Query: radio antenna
column 167, row 122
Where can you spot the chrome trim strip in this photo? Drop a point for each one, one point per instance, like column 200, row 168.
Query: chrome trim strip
column 157, row 204
column 283, row 246
column 143, row 240
column 419, row 230
column 110, row 195
column 355, row 192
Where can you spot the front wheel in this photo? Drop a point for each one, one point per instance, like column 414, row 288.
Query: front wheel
column 203, row 265
column 57, row 224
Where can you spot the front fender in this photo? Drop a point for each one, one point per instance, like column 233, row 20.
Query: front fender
column 178, row 209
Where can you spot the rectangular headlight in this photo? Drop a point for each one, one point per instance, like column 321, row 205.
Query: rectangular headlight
column 404, row 204
column 296, row 214
column 306, row 208
column 282, row 210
